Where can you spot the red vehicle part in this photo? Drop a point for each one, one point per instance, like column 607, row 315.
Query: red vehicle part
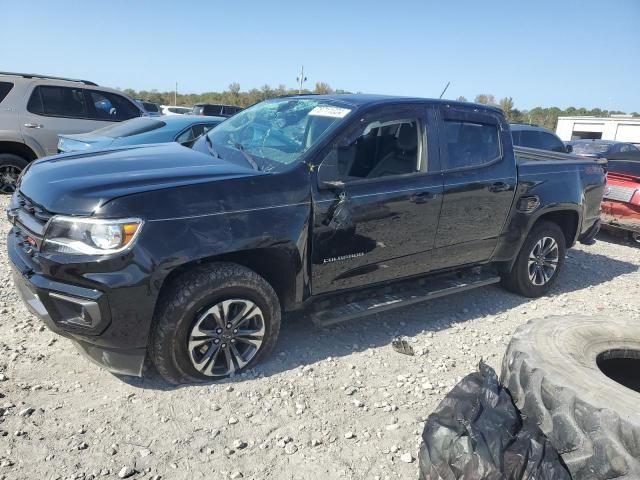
column 621, row 203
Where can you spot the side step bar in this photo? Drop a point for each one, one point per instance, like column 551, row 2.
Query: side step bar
column 403, row 293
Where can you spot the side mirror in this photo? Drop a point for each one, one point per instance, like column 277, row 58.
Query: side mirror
column 569, row 148
column 331, row 185
column 327, row 176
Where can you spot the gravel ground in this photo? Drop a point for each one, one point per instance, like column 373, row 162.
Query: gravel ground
column 329, row 404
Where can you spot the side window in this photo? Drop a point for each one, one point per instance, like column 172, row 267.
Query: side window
column 530, row 138
column 5, row 88
column 381, row 149
column 471, row 144
column 58, row 102
column 515, row 137
column 551, row 143
column 109, row 106
column 198, row 130
column 185, row 136
column 627, row 148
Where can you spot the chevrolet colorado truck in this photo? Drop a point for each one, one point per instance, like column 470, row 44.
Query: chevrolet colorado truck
column 330, row 206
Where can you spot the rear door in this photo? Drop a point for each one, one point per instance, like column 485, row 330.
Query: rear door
column 53, row 110
column 380, row 221
column 479, row 181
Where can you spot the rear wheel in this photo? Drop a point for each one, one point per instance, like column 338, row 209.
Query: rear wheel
column 10, row 168
column 213, row 322
column 539, row 261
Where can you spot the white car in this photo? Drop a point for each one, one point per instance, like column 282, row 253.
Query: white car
column 173, row 110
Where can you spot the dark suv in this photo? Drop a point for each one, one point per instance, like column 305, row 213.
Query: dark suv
column 215, row 110
column 533, row 136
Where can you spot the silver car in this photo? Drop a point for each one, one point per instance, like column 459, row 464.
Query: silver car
column 35, row 109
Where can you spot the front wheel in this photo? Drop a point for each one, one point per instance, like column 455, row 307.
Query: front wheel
column 212, row 322
column 539, row 261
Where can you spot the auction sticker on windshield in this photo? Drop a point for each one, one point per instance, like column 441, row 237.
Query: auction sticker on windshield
column 324, row 111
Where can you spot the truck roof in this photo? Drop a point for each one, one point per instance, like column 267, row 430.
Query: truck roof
column 365, row 99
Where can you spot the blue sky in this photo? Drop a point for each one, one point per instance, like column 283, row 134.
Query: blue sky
column 562, row 52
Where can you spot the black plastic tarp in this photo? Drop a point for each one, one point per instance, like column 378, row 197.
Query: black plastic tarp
column 477, row 433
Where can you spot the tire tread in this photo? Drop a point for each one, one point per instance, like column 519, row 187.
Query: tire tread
column 176, row 298
column 611, row 453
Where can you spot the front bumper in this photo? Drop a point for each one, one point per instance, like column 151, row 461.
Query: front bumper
column 75, row 312
column 621, row 216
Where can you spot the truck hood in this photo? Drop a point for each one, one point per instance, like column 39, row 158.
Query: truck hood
column 78, row 183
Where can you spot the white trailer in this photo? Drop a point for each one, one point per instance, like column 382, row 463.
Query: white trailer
column 623, row 128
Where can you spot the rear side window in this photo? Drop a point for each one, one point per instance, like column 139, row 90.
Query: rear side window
column 151, row 107
column 471, row 144
column 551, row 143
column 212, row 110
column 109, row 106
column 5, row 88
column 530, row 138
column 197, row 110
column 58, row 102
column 623, row 148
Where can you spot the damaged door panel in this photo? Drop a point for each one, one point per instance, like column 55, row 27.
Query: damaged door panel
column 376, row 205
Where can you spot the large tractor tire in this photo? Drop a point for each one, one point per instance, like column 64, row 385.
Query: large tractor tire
column 579, row 378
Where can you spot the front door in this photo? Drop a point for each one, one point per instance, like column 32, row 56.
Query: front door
column 479, row 181
column 377, row 202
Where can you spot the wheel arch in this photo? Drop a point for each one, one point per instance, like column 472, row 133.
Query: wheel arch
column 277, row 266
column 18, row 148
column 567, row 217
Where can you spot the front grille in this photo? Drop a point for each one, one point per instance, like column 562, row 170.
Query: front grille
column 30, row 221
column 33, row 209
column 619, row 193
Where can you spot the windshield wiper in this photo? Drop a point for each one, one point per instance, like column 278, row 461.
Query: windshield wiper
column 248, row 157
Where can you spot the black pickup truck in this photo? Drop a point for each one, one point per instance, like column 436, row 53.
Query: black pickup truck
column 333, row 206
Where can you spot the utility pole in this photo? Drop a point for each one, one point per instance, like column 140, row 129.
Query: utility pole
column 301, row 79
column 175, row 95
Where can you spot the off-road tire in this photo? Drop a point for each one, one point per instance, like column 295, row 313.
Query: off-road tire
column 517, row 280
column 10, row 160
column 187, row 294
column 551, row 372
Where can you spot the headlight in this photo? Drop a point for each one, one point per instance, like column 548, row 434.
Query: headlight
column 90, row 236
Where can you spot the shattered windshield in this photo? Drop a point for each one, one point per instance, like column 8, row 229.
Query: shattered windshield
column 280, row 130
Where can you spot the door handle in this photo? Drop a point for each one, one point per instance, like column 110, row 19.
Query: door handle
column 422, row 197
column 499, row 187
column 33, row 125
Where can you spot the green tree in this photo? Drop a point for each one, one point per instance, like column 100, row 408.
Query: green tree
column 462, row 99
column 485, row 98
column 506, row 104
column 323, row 88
